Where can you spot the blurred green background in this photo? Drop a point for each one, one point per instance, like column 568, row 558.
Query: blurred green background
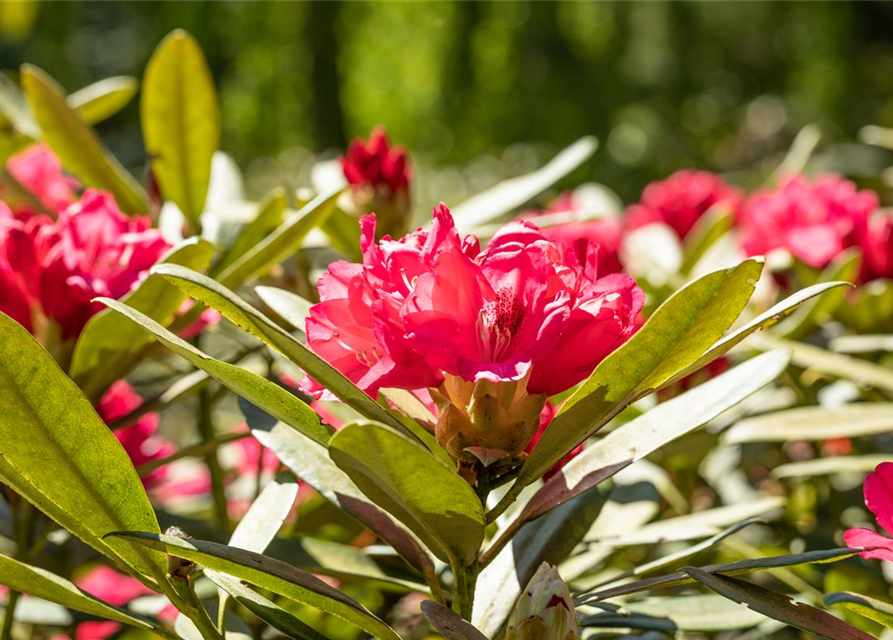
column 662, row 85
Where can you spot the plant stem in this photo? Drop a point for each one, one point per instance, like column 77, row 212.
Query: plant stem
column 206, row 430
column 507, row 500
column 460, row 592
column 22, row 524
column 9, row 615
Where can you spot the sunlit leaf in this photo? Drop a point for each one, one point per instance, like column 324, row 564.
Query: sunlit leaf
column 814, row 423
column 270, row 215
column 708, row 612
column 180, row 121
column 76, row 144
column 101, row 100
column 826, row 466
column 865, row 606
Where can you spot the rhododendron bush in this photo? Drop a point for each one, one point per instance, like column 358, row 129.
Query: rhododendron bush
column 345, row 413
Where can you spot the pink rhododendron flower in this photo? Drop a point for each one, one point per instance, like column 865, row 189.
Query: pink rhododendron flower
column 876, row 242
column 680, row 200
column 603, row 234
column 525, row 315
column 878, row 489
column 51, row 270
column 140, row 439
column 814, row 220
column 40, row 172
column 379, row 176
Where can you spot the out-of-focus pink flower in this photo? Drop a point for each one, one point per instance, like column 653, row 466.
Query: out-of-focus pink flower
column 814, row 220
column 116, row 589
column 39, row 170
column 546, row 417
column 55, row 268
column 140, row 439
column 878, row 489
column 379, row 176
column 876, row 242
column 603, row 234
column 680, row 200
column 515, row 323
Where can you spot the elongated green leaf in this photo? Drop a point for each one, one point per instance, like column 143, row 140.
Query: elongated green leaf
column 268, row 573
column 765, row 320
column 101, row 100
column 778, row 606
column 831, row 364
column 511, row 194
column 730, row 569
column 861, row 344
column 268, row 396
column 865, row 606
column 450, row 625
column 180, row 120
column 550, row 539
column 844, row 268
column 242, row 314
column 287, row 305
column 60, row 455
column 656, row 428
column 311, row 463
column 282, row 242
column 109, row 346
column 407, row 481
column 707, row 230
column 268, row 611
column 43, row 584
column 270, row 215
column 678, row 333
column 708, row 612
column 827, row 466
column 76, row 144
column 814, row 423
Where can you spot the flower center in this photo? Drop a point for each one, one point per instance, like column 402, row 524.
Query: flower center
column 499, row 323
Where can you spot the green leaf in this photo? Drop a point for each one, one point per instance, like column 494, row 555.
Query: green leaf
column 661, row 425
column 709, row 228
column 678, row 333
column 268, row 396
column 266, row 610
column 268, row 573
column 865, row 606
column 510, row 194
column 827, row 466
column 844, row 268
column 814, row 423
column 110, row 346
column 242, row 314
column 448, row 624
column 61, row 456
column 835, row 365
column 270, row 215
column 281, row 243
column 550, row 539
column 778, row 606
column 76, row 144
column 862, row 344
column 180, row 121
column 708, row 612
column 730, row 568
column 407, row 481
column 311, row 463
column 763, row 321
column 101, row 100
column 14, row 109
column 287, row 305
column 40, row 583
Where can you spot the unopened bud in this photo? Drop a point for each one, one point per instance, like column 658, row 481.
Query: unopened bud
column 545, row 610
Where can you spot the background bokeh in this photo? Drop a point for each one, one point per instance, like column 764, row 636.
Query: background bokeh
column 662, row 85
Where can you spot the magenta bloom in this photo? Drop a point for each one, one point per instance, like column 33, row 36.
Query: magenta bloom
column 878, row 490
column 680, row 200
column 140, row 439
column 815, row 220
column 39, row 170
column 376, row 163
column 603, row 235
column 51, row 270
column 432, row 303
column 876, row 242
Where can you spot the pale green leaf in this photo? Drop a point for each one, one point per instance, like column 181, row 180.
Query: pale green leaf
column 287, row 305
column 76, row 144
column 61, row 456
column 101, row 100
column 270, row 215
column 827, row 466
column 180, row 121
column 706, row 613
column 407, row 481
column 814, row 423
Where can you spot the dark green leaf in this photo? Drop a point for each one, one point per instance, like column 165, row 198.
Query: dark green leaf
column 450, row 625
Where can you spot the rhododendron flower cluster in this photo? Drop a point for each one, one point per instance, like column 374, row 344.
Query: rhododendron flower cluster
column 878, row 489
column 379, row 176
column 681, row 200
column 494, row 331
column 52, row 270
